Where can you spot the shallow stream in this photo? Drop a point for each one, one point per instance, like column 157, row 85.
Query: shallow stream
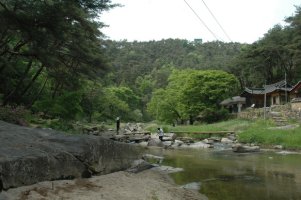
column 224, row 175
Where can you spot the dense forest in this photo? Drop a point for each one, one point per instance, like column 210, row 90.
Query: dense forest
column 55, row 63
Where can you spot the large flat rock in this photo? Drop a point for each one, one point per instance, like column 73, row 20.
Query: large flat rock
column 29, row 155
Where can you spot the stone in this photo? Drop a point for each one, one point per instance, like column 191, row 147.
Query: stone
column 139, row 165
column 200, row 145
column 215, row 139
column 168, row 169
column 139, row 138
column 226, row 140
column 155, row 142
column 192, row 186
column 239, row 148
column 150, row 156
column 178, row 143
column 231, row 137
column 208, row 141
column 143, row 144
column 170, row 136
column 278, row 147
column 167, row 138
column 31, row 155
column 186, row 140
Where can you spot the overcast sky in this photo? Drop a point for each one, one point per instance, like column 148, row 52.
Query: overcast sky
column 244, row 21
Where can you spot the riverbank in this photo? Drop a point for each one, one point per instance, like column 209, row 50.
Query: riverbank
column 146, row 185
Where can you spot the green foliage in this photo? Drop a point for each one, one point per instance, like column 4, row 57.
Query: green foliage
column 59, row 39
column 119, row 101
column 66, row 106
column 155, row 57
column 211, row 115
column 192, row 93
column 268, row 59
column 206, row 89
column 53, row 60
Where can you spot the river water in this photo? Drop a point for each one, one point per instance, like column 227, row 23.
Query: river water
column 224, row 175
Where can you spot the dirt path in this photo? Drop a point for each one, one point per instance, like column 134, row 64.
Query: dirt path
column 146, row 185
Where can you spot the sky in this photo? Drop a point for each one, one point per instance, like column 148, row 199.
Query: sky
column 244, row 21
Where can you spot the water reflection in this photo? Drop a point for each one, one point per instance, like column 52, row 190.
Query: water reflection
column 229, row 176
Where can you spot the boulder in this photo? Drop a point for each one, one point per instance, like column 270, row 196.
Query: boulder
column 231, row 137
column 152, row 158
column 143, row 144
column 215, row 139
column 177, row 143
column 208, row 141
column 155, row 142
column 139, row 165
column 226, row 140
column 186, row 140
column 199, row 145
column 239, row 148
column 278, row 147
column 169, row 136
column 167, row 143
column 139, row 138
column 31, row 155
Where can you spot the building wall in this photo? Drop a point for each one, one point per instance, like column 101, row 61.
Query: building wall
column 275, row 99
column 296, row 106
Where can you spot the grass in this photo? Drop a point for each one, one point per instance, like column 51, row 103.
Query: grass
column 230, row 125
column 257, row 132
column 260, row 133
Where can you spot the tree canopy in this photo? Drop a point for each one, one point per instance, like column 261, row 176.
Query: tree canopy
column 190, row 93
column 55, row 61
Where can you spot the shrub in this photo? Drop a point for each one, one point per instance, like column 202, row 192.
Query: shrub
column 15, row 115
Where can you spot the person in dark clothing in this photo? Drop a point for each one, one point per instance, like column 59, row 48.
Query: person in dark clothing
column 117, row 125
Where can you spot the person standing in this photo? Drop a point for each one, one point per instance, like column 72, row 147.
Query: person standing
column 117, row 125
column 160, row 133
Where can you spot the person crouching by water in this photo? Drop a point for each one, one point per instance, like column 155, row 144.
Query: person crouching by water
column 160, row 133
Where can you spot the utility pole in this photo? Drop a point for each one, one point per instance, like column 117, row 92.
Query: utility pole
column 265, row 102
column 285, row 88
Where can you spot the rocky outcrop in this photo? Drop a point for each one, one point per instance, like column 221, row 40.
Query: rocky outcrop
column 30, row 155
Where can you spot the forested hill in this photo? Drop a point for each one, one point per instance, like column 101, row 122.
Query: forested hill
column 129, row 60
column 55, row 63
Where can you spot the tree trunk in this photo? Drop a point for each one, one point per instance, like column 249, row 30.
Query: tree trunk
column 39, row 93
column 191, row 120
column 2, row 68
column 55, row 90
column 12, row 93
column 32, row 81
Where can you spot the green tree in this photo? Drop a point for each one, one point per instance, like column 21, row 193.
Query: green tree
column 118, row 101
column 190, row 93
column 58, row 37
column 205, row 90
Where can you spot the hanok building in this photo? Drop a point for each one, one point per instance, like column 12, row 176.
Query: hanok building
column 276, row 94
column 234, row 104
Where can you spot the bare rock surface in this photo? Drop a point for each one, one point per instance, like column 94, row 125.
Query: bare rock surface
column 31, row 155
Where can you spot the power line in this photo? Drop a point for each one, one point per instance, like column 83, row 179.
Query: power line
column 217, row 21
column 201, row 20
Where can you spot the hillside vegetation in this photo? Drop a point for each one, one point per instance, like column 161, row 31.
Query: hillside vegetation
column 56, row 65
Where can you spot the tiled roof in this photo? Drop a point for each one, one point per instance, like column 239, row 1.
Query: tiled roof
column 269, row 88
column 233, row 100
